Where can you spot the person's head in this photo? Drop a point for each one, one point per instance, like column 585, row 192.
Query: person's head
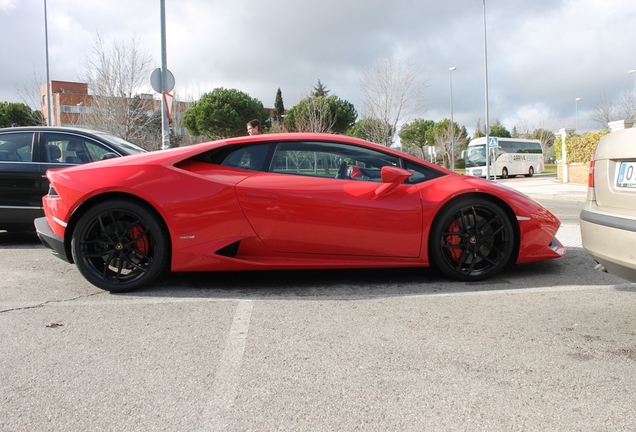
column 254, row 127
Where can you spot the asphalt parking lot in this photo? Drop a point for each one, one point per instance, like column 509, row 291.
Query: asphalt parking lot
column 546, row 346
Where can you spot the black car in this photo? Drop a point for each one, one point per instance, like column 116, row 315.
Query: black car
column 27, row 152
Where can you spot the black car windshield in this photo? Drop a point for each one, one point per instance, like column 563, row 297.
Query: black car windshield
column 128, row 146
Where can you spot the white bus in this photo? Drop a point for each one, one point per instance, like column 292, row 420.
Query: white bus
column 512, row 157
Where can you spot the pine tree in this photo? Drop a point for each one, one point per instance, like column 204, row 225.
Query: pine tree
column 279, row 107
column 320, row 90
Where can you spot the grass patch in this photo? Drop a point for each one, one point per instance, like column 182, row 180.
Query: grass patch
column 550, row 168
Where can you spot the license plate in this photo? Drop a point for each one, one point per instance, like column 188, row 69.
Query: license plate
column 627, row 175
column 477, row 173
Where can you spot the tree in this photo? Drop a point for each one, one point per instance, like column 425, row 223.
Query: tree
column 144, row 128
column 546, row 138
column 279, row 107
column 116, row 74
column 322, row 115
column 16, row 114
column 496, row 130
column 499, row 130
column 416, row 135
column 29, row 94
column 619, row 106
column 223, row 113
column 367, row 128
column 440, row 136
column 320, row 90
column 392, row 92
column 478, row 130
column 312, row 114
column 346, row 114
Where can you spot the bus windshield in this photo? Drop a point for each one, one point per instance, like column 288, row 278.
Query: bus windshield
column 476, row 156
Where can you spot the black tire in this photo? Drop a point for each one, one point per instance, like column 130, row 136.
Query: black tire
column 504, row 173
column 530, row 171
column 120, row 246
column 471, row 240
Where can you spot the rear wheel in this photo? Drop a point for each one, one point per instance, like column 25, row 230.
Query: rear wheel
column 120, row 246
column 530, row 172
column 471, row 240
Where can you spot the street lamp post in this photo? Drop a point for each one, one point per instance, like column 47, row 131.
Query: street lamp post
column 576, row 108
column 48, row 82
column 633, row 72
column 452, row 125
column 486, row 79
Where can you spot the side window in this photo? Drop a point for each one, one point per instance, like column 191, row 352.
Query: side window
column 96, row 151
column 16, row 147
column 254, row 157
column 74, row 149
column 330, row 160
column 421, row 173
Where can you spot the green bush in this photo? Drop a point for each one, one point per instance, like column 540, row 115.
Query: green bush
column 580, row 148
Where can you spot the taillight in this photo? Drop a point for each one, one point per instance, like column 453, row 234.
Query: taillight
column 590, row 175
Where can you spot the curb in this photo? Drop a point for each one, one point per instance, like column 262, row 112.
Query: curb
column 557, row 197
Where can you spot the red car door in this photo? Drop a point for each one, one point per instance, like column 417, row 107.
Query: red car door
column 298, row 214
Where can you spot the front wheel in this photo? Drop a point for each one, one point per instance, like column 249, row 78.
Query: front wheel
column 471, row 240
column 120, row 246
column 504, row 173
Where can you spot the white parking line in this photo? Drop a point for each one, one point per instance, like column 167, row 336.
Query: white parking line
column 224, row 389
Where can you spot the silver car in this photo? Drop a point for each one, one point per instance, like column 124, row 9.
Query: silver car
column 608, row 220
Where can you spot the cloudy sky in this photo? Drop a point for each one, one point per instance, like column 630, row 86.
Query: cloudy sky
column 542, row 54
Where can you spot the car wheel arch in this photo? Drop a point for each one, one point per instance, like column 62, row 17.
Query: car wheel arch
column 85, row 206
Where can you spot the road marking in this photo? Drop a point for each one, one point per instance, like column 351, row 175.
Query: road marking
column 224, row 388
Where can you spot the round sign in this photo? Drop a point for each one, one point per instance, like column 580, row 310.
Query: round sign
column 155, row 80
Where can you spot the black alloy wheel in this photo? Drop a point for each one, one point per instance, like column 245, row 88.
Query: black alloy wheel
column 120, row 246
column 471, row 240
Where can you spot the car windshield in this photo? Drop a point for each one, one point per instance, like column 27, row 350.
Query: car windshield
column 476, row 156
column 128, row 146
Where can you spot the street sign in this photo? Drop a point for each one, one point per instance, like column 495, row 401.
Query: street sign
column 155, row 81
column 493, row 142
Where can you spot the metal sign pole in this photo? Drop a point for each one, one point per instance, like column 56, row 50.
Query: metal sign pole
column 165, row 121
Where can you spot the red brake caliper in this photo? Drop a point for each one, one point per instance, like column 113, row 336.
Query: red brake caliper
column 142, row 243
column 455, row 253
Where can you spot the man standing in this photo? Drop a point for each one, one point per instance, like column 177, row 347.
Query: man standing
column 254, row 127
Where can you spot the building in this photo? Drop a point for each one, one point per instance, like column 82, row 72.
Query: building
column 68, row 99
column 72, row 105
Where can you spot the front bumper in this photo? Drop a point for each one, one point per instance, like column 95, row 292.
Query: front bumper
column 51, row 240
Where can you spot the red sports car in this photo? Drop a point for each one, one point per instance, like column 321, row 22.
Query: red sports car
column 285, row 201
